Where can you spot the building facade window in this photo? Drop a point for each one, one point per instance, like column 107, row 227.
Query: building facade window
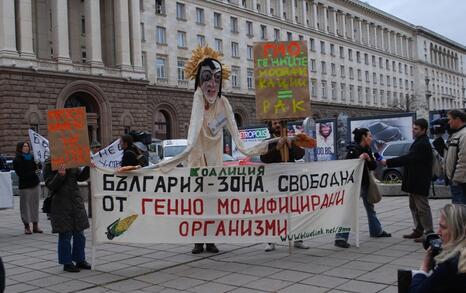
column 181, row 39
column 312, row 65
column 312, row 44
column 324, row 89
column 143, row 32
column 323, row 67
column 201, row 40
column 235, row 77
column 217, row 20
column 161, row 67
column 218, row 45
column 160, row 6
column 322, row 47
column 200, row 16
column 234, row 24
column 161, row 35
column 250, row 52
column 234, row 49
column 180, row 69
column 249, row 29
column 180, row 11
column 314, row 87
column 250, row 78
column 276, row 34
column 263, row 32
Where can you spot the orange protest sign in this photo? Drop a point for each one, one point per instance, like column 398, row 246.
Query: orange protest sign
column 68, row 137
column 282, row 80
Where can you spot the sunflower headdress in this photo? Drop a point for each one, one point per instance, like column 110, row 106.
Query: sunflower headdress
column 199, row 55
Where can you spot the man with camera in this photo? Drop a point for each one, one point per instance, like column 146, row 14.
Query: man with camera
column 455, row 158
column 417, row 178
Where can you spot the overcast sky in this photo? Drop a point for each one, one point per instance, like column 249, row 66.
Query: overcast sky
column 446, row 17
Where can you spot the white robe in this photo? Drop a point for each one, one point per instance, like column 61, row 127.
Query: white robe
column 205, row 148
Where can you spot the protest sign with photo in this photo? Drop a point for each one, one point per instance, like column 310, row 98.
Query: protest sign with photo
column 40, row 146
column 282, row 80
column 325, row 136
column 384, row 129
column 68, row 136
column 235, row 204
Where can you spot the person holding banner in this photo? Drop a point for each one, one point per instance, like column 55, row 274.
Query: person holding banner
column 273, row 156
column 26, row 169
column 362, row 150
column 68, row 215
column 210, row 113
column 129, row 161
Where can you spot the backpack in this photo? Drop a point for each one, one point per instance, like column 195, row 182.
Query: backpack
column 142, row 159
column 437, row 165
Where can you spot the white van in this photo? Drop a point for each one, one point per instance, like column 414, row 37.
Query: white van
column 172, row 147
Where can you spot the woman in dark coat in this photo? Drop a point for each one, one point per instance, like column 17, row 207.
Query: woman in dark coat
column 29, row 189
column 362, row 150
column 68, row 216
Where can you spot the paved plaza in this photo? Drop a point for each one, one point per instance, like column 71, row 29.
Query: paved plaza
column 31, row 262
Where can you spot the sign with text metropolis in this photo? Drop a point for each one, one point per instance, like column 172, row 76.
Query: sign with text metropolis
column 282, row 80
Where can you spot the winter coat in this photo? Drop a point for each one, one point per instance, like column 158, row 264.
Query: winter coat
column 417, row 165
column 354, row 151
column 455, row 158
column 274, row 156
column 129, row 158
column 445, row 278
column 26, row 171
column 68, row 211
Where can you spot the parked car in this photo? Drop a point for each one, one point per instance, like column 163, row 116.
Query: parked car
column 383, row 133
column 392, row 150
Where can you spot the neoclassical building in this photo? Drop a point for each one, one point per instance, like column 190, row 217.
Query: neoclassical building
column 123, row 60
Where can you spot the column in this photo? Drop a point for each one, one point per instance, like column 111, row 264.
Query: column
column 25, row 29
column 304, row 12
column 7, row 28
column 61, row 47
column 368, row 33
column 93, row 37
column 343, row 21
column 136, row 54
column 360, row 30
column 382, row 41
column 351, row 34
column 325, row 18
column 314, row 16
column 280, row 9
column 267, row 7
column 334, row 20
column 375, row 35
column 254, row 5
column 293, row 11
column 122, row 34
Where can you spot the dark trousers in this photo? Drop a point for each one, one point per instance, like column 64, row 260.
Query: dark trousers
column 66, row 253
column 422, row 215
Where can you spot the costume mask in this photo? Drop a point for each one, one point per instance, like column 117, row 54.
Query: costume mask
column 210, row 80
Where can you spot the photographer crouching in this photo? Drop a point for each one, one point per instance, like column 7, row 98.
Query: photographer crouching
column 444, row 266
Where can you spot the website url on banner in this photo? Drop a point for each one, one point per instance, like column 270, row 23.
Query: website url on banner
column 314, row 233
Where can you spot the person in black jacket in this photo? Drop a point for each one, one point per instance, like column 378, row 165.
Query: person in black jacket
column 68, row 216
column 28, row 185
column 362, row 149
column 130, row 153
column 417, row 177
column 273, row 155
column 449, row 274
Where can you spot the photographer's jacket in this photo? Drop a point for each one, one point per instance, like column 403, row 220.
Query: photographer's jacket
column 417, row 165
column 455, row 158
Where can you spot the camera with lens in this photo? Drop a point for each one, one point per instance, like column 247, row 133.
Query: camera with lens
column 433, row 241
column 141, row 136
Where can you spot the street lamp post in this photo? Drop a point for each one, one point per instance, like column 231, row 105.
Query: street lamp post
column 428, row 93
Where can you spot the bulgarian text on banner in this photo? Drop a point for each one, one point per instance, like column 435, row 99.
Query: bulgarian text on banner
column 40, row 146
column 237, row 204
column 109, row 157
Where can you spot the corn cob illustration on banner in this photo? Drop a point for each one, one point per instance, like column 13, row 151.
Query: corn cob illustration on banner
column 119, row 226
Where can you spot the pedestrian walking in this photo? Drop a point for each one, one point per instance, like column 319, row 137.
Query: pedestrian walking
column 416, row 181
column 29, row 188
column 455, row 158
column 68, row 215
column 361, row 148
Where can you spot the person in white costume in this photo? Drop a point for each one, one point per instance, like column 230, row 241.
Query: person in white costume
column 211, row 112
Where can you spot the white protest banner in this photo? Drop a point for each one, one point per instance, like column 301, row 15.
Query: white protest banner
column 109, row 157
column 240, row 204
column 40, row 146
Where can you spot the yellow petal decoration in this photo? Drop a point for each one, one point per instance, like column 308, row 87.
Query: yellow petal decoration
column 199, row 55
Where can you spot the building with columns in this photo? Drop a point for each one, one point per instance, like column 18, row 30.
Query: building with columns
column 123, row 60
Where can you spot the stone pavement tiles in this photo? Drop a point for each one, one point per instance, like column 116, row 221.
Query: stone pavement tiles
column 31, row 262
